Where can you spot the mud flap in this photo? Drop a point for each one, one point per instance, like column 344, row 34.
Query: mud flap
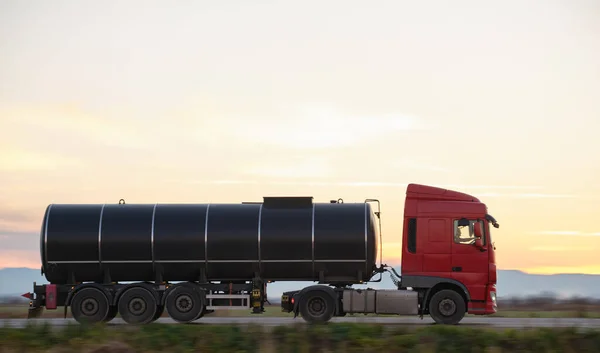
column 34, row 313
column 296, row 309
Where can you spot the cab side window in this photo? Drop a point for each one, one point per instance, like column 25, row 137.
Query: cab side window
column 464, row 233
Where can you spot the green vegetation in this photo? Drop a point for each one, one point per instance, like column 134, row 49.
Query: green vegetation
column 296, row 339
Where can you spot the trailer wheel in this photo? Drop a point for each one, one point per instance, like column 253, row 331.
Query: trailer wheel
column 137, row 306
column 89, row 305
column 316, row 306
column 447, row 307
column 184, row 304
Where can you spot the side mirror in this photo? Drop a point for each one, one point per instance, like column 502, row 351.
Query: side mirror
column 477, row 230
column 479, row 244
column 478, row 234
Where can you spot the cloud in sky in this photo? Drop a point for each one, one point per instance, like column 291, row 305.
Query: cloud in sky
column 332, row 108
column 566, row 232
column 320, row 126
column 531, row 196
column 544, row 196
column 329, row 165
column 21, row 258
column 13, row 158
column 559, row 248
column 592, row 269
column 413, row 163
column 46, row 122
column 268, row 137
column 361, row 183
column 17, row 221
column 485, row 186
column 316, row 183
column 292, row 167
column 500, row 191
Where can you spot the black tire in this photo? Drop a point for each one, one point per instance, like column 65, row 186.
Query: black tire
column 316, row 307
column 447, row 307
column 137, row 306
column 90, row 306
column 112, row 313
column 185, row 304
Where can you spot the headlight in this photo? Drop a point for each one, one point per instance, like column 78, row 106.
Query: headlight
column 493, row 297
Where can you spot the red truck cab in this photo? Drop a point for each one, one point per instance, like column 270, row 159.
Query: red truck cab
column 448, row 253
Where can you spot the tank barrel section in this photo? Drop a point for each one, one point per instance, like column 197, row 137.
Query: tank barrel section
column 279, row 239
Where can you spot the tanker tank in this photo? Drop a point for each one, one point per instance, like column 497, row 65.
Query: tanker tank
column 279, row 239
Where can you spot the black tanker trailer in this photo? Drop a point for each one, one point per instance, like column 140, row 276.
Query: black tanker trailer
column 289, row 239
column 192, row 259
column 139, row 260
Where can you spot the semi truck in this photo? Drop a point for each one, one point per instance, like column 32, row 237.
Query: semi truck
column 191, row 259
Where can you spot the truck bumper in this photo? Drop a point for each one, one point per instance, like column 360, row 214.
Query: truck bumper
column 288, row 301
column 487, row 307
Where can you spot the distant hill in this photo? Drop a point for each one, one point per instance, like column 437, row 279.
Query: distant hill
column 16, row 281
column 511, row 283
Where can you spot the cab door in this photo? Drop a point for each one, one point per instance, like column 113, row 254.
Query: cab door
column 470, row 258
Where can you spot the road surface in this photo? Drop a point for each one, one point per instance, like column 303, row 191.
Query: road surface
column 278, row 321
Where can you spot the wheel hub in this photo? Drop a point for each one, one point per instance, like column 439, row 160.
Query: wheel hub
column 316, row 306
column 184, row 303
column 137, row 306
column 447, row 307
column 89, row 306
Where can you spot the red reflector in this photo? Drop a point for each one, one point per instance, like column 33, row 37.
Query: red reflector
column 292, row 300
column 51, row 296
column 28, row 296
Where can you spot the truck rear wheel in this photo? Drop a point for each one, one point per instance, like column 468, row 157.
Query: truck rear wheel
column 316, row 306
column 137, row 306
column 184, row 304
column 447, row 307
column 90, row 305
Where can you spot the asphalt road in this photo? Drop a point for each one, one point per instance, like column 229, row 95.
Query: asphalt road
column 277, row 321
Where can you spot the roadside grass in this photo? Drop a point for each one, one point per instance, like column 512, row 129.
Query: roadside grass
column 294, row 338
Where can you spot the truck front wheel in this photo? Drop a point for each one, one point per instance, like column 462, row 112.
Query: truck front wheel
column 447, row 307
column 316, row 306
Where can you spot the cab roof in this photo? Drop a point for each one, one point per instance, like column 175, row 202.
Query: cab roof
column 418, row 191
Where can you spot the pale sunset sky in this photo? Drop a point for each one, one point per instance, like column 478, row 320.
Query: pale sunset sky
column 230, row 101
